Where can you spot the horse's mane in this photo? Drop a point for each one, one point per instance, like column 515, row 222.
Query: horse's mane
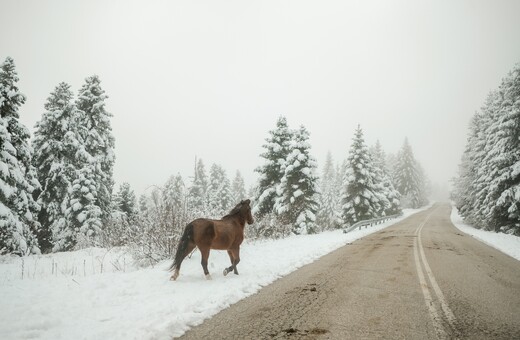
column 234, row 211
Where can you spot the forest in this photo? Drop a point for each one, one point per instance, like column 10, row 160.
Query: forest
column 57, row 191
column 487, row 189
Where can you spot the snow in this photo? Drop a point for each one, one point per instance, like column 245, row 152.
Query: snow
column 97, row 294
column 76, row 206
column 297, row 193
column 508, row 244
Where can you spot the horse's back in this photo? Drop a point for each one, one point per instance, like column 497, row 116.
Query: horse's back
column 228, row 235
column 217, row 234
column 204, row 231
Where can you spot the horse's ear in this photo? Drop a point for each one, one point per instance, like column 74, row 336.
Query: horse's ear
column 248, row 201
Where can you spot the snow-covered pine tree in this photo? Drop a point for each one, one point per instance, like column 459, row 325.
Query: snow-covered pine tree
column 125, row 200
column 98, row 139
column 482, row 144
column 219, row 192
column 391, row 164
column 226, row 199
column 91, row 196
column 143, row 204
column 174, row 203
column 276, row 152
column 391, row 201
column 198, row 191
column 55, row 145
column 238, row 189
column 329, row 215
column 122, row 227
column 471, row 187
column 18, row 209
column 409, row 180
column 487, row 191
column 378, row 178
column 297, row 200
column 502, row 158
column 360, row 197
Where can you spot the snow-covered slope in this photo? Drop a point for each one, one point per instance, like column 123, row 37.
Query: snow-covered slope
column 508, row 244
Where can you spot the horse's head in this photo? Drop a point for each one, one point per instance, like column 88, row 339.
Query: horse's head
column 246, row 208
column 242, row 209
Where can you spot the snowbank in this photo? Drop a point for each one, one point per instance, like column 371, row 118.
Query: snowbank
column 96, row 294
column 508, row 244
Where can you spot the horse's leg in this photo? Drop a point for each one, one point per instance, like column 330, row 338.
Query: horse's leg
column 204, row 262
column 236, row 256
column 228, row 270
column 189, row 249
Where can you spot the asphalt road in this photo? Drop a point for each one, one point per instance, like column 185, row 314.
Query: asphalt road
column 419, row 279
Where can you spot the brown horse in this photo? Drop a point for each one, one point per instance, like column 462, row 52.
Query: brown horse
column 225, row 234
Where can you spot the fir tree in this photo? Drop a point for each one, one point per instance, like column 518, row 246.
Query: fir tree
column 277, row 150
column 198, row 191
column 98, row 139
column 297, row 200
column 18, row 210
column 329, row 216
column 125, row 200
column 471, row 188
column 482, row 145
column 174, row 201
column 391, row 198
column 409, row 179
column 91, row 197
column 360, row 197
column 238, row 189
column 85, row 215
column 488, row 188
column 55, row 142
column 219, row 191
column 143, row 204
column 501, row 161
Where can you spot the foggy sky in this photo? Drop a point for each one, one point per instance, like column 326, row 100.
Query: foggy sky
column 208, row 79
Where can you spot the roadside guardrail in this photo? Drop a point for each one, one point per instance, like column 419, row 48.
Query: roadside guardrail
column 371, row 222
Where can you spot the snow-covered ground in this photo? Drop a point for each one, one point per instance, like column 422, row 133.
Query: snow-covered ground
column 98, row 294
column 507, row 244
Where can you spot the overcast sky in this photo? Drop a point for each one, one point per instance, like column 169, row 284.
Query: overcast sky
column 209, row 78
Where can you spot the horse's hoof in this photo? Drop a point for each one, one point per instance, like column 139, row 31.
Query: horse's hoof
column 208, row 277
column 225, row 272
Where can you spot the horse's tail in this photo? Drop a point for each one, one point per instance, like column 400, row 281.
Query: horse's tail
column 186, row 237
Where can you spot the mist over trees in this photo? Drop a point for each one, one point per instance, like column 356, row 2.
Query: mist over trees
column 61, row 196
column 487, row 190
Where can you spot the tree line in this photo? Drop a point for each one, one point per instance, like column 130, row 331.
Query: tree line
column 56, row 191
column 291, row 198
column 487, row 189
